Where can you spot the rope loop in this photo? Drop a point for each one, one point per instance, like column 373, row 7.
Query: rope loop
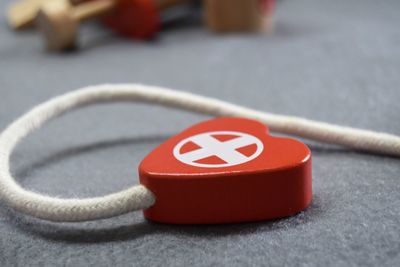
column 139, row 197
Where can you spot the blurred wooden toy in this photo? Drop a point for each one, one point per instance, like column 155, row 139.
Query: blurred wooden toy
column 21, row 15
column 132, row 18
column 239, row 15
column 139, row 19
column 59, row 22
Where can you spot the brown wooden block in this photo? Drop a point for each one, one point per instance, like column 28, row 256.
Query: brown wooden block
column 239, row 15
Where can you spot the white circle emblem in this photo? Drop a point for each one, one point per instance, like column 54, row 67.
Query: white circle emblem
column 208, row 145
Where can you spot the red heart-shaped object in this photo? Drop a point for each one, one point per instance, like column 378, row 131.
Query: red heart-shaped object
column 227, row 170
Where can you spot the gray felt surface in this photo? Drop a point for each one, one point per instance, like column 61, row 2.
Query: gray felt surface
column 335, row 61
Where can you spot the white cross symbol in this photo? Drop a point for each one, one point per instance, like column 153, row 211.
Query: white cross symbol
column 210, row 146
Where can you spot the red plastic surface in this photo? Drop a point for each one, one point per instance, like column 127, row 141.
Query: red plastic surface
column 227, row 170
column 267, row 7
column 137, row 19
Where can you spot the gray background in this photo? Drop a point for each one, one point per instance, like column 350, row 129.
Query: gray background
column 335, row 61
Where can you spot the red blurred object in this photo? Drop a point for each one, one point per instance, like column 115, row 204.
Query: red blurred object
column 267, row 6
column 137, row 19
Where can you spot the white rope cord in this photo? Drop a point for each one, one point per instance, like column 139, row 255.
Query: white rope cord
column 138, row 197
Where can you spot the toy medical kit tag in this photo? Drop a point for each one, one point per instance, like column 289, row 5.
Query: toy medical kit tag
column 227, row 170
column 219, row 171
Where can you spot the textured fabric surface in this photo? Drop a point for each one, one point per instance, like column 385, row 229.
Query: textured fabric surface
column 336, row 61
